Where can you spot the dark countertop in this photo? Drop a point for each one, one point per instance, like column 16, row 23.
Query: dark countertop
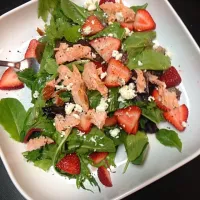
column 183, row 183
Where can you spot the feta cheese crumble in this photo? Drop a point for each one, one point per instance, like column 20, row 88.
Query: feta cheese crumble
column 128, row 91
column 102, row 105
column 150, row 98
column 69, row 108
column 140, row 63
column 103, row 75
column 80, row 133
column 36, row 94
column 117, row 55
column 184, row 124
column 119, row 16
column 69, row 87
column 78, row 108
column 90, row 5
column 128, row 32
column 156, row 44
column 115, row 132
column 87, row 30
column 110, row 35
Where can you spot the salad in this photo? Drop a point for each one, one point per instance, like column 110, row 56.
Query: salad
column 103, row 82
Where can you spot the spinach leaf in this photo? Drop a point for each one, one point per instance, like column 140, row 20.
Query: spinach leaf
column 113, row 103
column 79, row 64
column 44, row 164
column 96, row 140
column 115, row 29
column 136, row 8
column 169, row 138
column 27, row 76
column 73, row 34
column 12, row 117
column 51, row 66
column 76, row 13
column 134, row 145
column 151, row 60
column 94, row 97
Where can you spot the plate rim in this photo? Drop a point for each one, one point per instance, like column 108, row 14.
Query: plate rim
column 148, row 181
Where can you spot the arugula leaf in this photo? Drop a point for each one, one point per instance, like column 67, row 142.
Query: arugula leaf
column 96, row 140
column 51, row 66
column 44, row 164
column 12, row 117
column 115, row 29
column 169, row 138
column 76, row 13
column 135, row 144
column 27, row 76
column 113, row 103
column 45, row 7
column 151, row 60
column 94, row 97
column 32, row 155
column 136, row 8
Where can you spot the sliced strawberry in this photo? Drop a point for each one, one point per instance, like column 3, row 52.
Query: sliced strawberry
column 97, row 157
column 93, row 25
column 117, row 73
column 99, row 65
column 135, row 128
column 105, row 46
column 70, row 164
column 48, row 90
column 143, row 21
column 128, row 118
column 85, row 124
column 129, row 25
column 10, row 81
column 171, row 77
column 104, row 1
column 59, row 101
column 30, row 132
column 157, row 98
column 177, row 117
column 104, row 176
column 111, row 121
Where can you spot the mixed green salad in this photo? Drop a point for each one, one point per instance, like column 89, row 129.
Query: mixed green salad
column 103, row 82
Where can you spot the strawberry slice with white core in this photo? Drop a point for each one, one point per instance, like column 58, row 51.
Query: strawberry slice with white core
column 104, row 176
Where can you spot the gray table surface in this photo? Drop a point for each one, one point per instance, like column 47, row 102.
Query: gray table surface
column 180, row 184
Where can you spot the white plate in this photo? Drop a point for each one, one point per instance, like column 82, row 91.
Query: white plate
column 19, row 26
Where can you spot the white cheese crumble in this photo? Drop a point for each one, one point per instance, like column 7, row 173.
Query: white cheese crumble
column 36, row 94
column 128, row 91
column 121, row 81
column 110, row 35
column 80, row 133
column 90, row 5
column 78, row 108
column 119, row 16
column 150, row 98
column 110, row 23
column 121, row 99
column 103, row 75
column 102, row 105
column 69, row 87
column 117, row 55
column 101, row 145
column 69, row 108
column 140, row 63
column 128, row 32
column 115, row 132
column 184, row 124
column 87, row 30
column 156, row 44
column 93, row 140
column 94, row 55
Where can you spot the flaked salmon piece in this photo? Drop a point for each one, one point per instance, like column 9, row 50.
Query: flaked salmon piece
column 63, row 123
column 154, row 80
column 39, row 142
column 64, row 73
column 68, row 54
column 140, row 81
column 92, row 80
column 118, row 12
column 97, row 118
column 48, row 90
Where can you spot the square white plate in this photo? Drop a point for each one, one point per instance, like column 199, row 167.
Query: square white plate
column 19, row 26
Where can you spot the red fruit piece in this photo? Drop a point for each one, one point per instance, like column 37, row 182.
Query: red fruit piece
column 48, row 90
column 177, row 117
column 99, row 65
column 104, row 46
column 157, row 98
column 117, row 73
column 129, row 25
column 171, row 77
column 143, row 21
column 128, row 118
column 111, row 121
column 104, row 176
column 91, row 26
column 104, row 1
column 30, row 132
column 10, row 81
column 97, row 157
column 70, row 164
column 85, row 124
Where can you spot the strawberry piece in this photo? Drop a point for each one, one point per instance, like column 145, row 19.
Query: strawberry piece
column 177, row 117
column 129, row 25
column 30, row 132
column 99, row 65
column 104, row 1
column 171, row 77
column 97, row 157
column 93, row 25
column 85, row 124
column 10, row 81
column 70, row 164
column 128, row 118
column 143, row 21
column 111, row 121
column 48, row 90
column 104, row 176
column 157, row 98
column 104, row 46
column 59, row 101
column 117, row 73
column 135, row 128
